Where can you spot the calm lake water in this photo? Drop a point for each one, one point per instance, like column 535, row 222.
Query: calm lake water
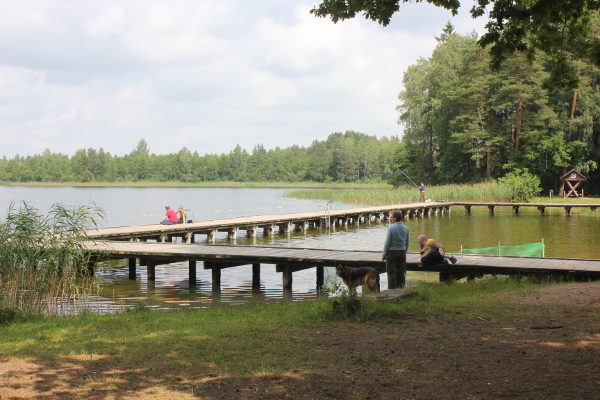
column 574, row 236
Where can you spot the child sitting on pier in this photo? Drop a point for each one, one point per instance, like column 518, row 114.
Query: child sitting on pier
column 432, row 252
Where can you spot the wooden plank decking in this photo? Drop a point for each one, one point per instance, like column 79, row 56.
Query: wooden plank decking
column 541, row 207
column 270, row 222
column 288, row 260
column 294, row 259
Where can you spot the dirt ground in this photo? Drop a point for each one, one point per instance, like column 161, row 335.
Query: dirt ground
column 545, row 346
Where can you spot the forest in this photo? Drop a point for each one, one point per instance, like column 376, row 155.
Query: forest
column 342, row 157
column 466, row 122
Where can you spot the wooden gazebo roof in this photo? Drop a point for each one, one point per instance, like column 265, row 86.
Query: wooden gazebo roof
column 573, row 176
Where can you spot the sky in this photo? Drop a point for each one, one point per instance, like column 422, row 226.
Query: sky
column 202, row 74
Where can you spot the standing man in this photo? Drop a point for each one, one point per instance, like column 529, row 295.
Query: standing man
column 422, row 192
column 394, row 251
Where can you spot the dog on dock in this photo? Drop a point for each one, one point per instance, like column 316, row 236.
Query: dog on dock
column 354, row 277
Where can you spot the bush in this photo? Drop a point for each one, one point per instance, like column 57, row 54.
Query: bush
column 522, row 185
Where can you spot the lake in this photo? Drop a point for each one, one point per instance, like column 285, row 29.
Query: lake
column 573, row 236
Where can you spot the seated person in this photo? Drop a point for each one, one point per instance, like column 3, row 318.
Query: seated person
column 432, row 252
column 181, row 215
column 170, row 217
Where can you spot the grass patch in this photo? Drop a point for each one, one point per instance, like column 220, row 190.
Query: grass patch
column 482, row 192
column 489, row 191
column 244, row 340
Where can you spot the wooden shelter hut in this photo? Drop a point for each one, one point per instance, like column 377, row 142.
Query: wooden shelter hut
column 573, row 180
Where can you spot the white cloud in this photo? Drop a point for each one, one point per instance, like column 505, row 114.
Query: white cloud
column 202, row 74
column 107, row 25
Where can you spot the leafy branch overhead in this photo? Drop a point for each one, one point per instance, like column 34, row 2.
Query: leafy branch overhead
column 562, row 29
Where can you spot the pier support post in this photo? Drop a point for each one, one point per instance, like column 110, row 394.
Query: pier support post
column 216, row 275
column 151, row 270
column 211, row 236
column 132, row 269
column 320, row 277
column 541, row 209
column 256, row 275
column 284, row 228
column 268, row 230
column 232, row 234
column 568, row 210
column 192, row 272
column 189, row 237
column 287, row 277
column 251, row 232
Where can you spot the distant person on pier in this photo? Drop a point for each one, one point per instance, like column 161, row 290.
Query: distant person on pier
column 181, row 215
column 394, row 251
column 422, row 192
column 170, row 217
column 432, row 252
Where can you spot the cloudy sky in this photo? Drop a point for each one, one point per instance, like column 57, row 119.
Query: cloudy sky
column 204, row 74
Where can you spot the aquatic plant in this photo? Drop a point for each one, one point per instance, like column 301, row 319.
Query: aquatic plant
column 42, row 257
column 486, row 191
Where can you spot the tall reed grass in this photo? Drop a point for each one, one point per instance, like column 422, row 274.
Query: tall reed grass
column 42, row 257
column 488, row 191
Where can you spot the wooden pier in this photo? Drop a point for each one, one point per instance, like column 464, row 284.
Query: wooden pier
column 541, row 207
column 268, row 224
column 289, row 260
column 152, row 245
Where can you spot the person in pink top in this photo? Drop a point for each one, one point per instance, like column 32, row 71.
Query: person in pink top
column 170, row 217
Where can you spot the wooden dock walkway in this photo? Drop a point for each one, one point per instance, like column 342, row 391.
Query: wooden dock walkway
column 541, row 207
column 152, row 245
column 289, row 260
column 282, row 223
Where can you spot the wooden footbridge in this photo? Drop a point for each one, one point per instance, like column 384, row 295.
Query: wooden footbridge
column 152, row 245
column 541, row 207
column 289, row 260
column 268, row 224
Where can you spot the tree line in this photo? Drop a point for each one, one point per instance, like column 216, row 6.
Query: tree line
column 342, row 157
column 465, row 122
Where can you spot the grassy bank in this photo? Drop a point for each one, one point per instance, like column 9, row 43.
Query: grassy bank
column 480, row 340
column 244, row 340
column 483, row 192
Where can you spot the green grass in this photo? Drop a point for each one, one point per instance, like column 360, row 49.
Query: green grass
column 408, row 194
column 482, row 192
column 242, row 340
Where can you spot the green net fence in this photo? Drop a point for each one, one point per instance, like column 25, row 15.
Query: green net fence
column 524, row 250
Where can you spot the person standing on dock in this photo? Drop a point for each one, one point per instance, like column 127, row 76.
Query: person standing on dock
column 432, row 252
column 394, row 251
column 170, row 216
column 422, row 192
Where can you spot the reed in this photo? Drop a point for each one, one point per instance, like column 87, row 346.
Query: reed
column 42, row 257
column 487, row 191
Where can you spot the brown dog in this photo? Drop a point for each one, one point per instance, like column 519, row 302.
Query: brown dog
column 354, row 277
